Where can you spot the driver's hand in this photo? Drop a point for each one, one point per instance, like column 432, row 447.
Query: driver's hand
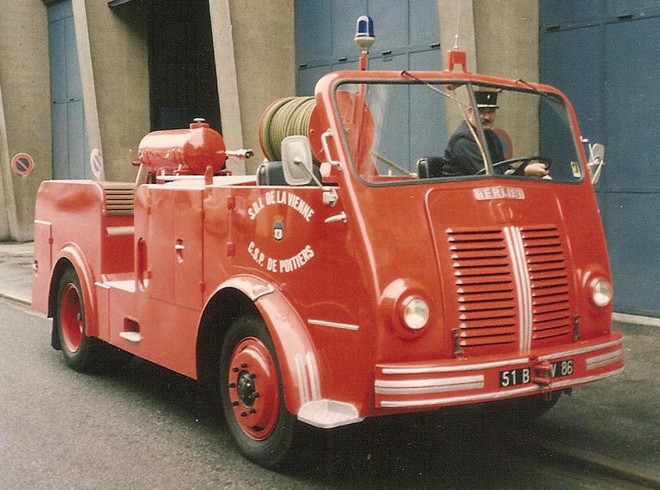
column 536, row 169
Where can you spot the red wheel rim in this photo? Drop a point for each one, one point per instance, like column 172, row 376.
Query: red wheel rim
column 254, row 389
column 71, row 318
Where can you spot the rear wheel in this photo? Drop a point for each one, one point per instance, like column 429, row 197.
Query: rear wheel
column 252, row 396
column 70, row 321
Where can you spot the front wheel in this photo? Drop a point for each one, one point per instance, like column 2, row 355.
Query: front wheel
column 252, row 395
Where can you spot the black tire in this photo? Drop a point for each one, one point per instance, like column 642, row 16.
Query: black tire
column 252, row 395
column 521, row 409
column 70, row 322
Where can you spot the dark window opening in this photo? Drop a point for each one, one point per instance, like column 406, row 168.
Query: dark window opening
column 182, row 77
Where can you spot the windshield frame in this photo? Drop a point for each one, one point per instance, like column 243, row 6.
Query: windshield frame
column 434, row 80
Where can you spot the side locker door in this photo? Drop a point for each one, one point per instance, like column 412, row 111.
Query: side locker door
column 175, row 246
column 160, row 253
column 187, row 245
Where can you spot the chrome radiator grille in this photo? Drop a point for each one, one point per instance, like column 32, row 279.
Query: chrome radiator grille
column 511, row 284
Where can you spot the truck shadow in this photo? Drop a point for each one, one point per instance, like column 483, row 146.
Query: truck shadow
column 452, row 448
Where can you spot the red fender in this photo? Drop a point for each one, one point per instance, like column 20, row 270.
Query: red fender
column 295, row 352
column 74, row 255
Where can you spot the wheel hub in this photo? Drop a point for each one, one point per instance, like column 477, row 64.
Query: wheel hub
column 246, row 389
column 254, row 388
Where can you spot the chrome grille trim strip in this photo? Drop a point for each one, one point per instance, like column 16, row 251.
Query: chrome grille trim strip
column 583, row 350
column 449, row 369
column 521, row 274
column 441, row 384
column 342, row 326
column 604, row 359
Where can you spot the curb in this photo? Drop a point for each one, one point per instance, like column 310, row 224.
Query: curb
column 618, row 469
column 15, row 299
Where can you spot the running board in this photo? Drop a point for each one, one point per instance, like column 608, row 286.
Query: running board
column 133, row 337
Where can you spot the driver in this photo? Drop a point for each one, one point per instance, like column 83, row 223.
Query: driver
column 462, row 154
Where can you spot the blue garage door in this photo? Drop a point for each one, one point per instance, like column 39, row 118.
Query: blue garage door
column 69, row 138
column 407, row 37
column 604, row 54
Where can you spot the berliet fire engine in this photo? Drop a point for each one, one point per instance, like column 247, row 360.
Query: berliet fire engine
column 352, row 276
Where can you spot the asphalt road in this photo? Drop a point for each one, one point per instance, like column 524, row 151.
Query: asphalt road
column 138, row 429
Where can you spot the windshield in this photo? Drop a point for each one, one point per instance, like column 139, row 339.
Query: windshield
column 407, row 132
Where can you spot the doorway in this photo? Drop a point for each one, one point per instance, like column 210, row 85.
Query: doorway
column 183, row 82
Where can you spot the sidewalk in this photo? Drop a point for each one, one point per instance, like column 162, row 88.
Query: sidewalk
column 16, row 271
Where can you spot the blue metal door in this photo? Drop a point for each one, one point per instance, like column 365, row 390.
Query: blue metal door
column 68, row 128
column 604, row 54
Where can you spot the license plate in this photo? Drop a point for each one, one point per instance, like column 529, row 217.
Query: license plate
column 514, row 377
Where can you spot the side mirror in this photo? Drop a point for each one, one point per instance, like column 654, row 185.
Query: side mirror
column 596, row 161
column 297, row 160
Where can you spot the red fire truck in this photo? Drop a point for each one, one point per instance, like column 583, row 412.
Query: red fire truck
column 358, row 273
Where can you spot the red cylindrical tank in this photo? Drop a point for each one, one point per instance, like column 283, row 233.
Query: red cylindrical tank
column 184, row 151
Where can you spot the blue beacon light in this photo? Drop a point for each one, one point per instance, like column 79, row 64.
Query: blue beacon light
column 364, row 33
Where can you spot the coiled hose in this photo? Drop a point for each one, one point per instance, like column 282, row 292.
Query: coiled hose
column 285, row 117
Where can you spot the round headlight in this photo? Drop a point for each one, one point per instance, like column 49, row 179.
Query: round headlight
column 602, row 292
column 415, row 313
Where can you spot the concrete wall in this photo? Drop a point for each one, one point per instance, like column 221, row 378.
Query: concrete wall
column 255, row 62
column 24, row 111
column 115, row 79
column 112, row 47
column 499, row 36
column 507, row 38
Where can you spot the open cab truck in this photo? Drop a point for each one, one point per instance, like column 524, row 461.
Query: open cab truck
column 350, row 277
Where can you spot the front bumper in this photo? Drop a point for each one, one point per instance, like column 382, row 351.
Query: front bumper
column 419, row 385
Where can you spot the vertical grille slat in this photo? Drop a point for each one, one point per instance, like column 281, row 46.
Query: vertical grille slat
column 489, row 297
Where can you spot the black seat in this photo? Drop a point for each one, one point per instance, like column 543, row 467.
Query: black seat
column 272, row 173
column 430, row 167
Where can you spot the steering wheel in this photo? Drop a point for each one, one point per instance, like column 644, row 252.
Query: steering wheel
column 524, row 162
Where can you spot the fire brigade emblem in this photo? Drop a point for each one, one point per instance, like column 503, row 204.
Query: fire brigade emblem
column 278, row 228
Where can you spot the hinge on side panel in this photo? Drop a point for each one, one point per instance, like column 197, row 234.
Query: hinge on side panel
column 231, row 202
column 456, row 334
column 576, row 328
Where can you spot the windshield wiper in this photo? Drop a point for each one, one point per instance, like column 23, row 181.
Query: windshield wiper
column 535, row 90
